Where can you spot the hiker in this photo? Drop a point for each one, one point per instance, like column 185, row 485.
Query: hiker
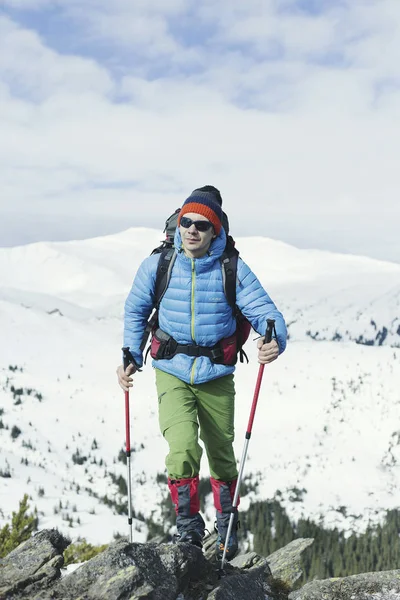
column 195, row 386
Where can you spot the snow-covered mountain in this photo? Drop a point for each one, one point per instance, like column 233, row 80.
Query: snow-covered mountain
column 328, row 419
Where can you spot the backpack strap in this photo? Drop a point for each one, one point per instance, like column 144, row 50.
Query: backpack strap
column 163, row 275
column 229, row 262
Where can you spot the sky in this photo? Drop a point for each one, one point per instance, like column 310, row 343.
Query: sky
column 111, row 113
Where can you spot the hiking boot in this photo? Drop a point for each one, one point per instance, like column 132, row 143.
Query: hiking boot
column 189, row 522
column 224, row 492
column 232, row 546
column 191, row 536
column 191, row 529
column 221, row 526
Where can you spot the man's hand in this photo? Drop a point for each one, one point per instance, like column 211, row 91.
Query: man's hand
column 267, row 353
column 124, row 379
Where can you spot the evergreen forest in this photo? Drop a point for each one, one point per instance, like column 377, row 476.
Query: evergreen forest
column 334, row 553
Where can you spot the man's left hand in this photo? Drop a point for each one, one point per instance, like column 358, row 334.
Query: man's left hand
column 267, row 353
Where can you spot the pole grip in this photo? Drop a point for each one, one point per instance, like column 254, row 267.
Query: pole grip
column 127, row 357
column 129, row 360
column 270, row 330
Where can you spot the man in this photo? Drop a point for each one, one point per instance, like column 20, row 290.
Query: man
column 194, row 391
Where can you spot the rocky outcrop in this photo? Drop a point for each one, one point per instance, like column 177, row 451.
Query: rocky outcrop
column 156, row 571
column 36, row 561
column 285, row 564
column 383, row 585
column 175, row 572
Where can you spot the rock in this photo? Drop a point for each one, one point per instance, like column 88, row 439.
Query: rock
column 124, row 570
column 285, row 563
column 384, row 585
column 131, row 571
column 274, row 576
column 38, row 559
column 175, row 572
column 246, row 561
column 209, row 547
column 253, row 584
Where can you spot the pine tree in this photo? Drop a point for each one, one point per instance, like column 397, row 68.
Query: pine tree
column 333, row 553
column 22, row 527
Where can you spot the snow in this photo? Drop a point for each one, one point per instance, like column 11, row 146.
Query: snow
column 328, row 414
column 70, row 569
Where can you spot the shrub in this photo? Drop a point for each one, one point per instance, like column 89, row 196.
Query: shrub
column 120, row 482
column 122, row 456
column 15, row 432
column 81, row 551
column 78, row 458
column 162, row 478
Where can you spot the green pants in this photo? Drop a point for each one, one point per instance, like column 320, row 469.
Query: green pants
column 183, row 408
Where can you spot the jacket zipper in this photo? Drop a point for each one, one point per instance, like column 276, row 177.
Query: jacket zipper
column 192, row 319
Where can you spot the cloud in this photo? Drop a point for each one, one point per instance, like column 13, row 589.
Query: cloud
column 294, row 115
column 26, row 4
column 142, row 25
column 30, row 69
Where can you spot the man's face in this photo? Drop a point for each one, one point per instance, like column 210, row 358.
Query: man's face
column 195, row 242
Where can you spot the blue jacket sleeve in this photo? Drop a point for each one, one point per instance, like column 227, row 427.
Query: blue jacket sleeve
column 257, row 306
column 139, row 305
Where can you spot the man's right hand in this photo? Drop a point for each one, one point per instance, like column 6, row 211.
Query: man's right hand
column 124, row 379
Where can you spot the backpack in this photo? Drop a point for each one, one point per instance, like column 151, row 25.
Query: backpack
column 164, row 346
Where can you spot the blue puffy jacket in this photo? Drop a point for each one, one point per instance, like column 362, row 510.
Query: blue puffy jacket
column 194, row 309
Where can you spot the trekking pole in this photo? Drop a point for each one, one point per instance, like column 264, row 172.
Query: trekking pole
column 268, row 338
column 127, row 355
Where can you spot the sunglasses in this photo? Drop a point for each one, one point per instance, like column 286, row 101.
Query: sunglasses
column 200, row 225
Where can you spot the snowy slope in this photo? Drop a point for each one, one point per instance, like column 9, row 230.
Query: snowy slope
column 328, row 419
